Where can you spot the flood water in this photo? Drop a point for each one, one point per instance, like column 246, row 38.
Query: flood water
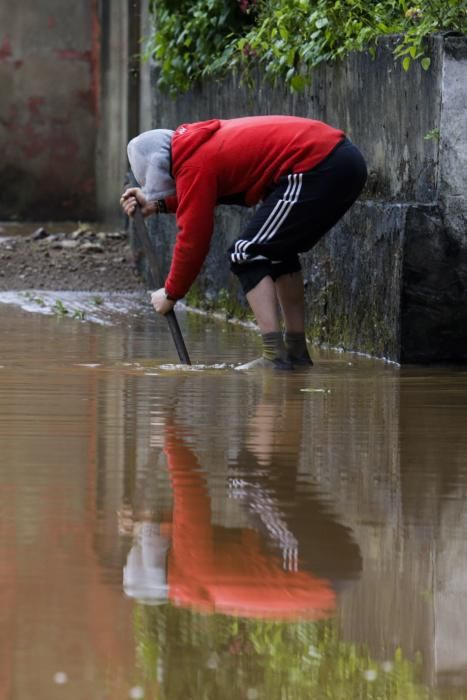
column 213, row 534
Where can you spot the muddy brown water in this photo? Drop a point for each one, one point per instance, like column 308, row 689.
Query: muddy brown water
column 208, row 533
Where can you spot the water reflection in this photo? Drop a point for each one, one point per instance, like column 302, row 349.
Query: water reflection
column 246, row 597
column 367, row 439
column 434, row 496
column 305, row 536
column 286, row 564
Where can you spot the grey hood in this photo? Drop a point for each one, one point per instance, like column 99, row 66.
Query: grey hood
column 149, row 156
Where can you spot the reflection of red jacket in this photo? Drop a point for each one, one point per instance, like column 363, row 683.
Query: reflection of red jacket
column 218, row 570
column 221, row 159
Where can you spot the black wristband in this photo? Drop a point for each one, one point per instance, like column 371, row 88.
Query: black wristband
column 162, row 206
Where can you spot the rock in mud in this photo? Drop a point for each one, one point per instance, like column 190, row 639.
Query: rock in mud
column 89, row 247
column 39, row 234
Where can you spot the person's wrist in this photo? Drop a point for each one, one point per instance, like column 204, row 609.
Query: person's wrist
column 169, row 297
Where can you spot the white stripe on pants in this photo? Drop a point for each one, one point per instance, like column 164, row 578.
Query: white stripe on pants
column 274, row 221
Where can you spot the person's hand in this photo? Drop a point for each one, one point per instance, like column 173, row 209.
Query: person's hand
column 160, row 302
column 134, row 196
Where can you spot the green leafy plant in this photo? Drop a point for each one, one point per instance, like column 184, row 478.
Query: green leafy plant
column 424, row 19
column 207, row 38
column 37, row 300
column 59, row 308
column 193, row 39
column 433, row 135
column 79, row 315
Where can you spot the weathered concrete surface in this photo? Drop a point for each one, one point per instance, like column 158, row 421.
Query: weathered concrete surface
column 112, row 135
column 64, row 110
column 453, row 141
column 353, row 280
column 434, row 288
column 125, row 96
column 434, row 282
column 49, row 63
column 391, row 278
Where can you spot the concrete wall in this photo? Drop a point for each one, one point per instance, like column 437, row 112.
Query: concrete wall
column 112, row 135
column 49, row 81
column 391, row 278
column 125, row 106
column 65, row 106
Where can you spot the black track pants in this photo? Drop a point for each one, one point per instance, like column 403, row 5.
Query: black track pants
column 298, row 212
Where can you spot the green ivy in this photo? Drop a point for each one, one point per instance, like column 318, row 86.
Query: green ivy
column 422, row 20
column 196, row 39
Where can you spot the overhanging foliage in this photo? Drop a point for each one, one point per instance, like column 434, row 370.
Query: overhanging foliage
column 198, row 39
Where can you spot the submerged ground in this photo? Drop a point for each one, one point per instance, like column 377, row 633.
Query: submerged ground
column 203, row 532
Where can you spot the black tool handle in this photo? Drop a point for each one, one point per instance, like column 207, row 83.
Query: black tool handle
column 178, row 338
column 143, row 237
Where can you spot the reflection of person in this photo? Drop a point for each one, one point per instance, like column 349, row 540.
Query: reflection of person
column 215, row 569
column 285, row 567
column 306, row 175
column 293, row 513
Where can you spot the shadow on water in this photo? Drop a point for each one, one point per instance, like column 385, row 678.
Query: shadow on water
column 216, row 534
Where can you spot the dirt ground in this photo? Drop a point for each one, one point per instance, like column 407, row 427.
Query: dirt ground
column 68, row 256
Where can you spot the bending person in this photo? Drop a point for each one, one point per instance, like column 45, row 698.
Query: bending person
column 305, row 173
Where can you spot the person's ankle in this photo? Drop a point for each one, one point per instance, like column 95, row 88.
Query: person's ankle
column 296, row 349
column 273, row 346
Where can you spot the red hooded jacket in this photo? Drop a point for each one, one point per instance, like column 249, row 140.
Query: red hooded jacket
column 237, row 159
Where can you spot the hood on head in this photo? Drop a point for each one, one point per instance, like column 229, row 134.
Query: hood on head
column 149, row 156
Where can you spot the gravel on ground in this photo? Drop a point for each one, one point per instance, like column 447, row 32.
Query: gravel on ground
column 71, row 256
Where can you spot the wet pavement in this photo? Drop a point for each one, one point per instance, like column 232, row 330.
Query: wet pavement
column 203, row 532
